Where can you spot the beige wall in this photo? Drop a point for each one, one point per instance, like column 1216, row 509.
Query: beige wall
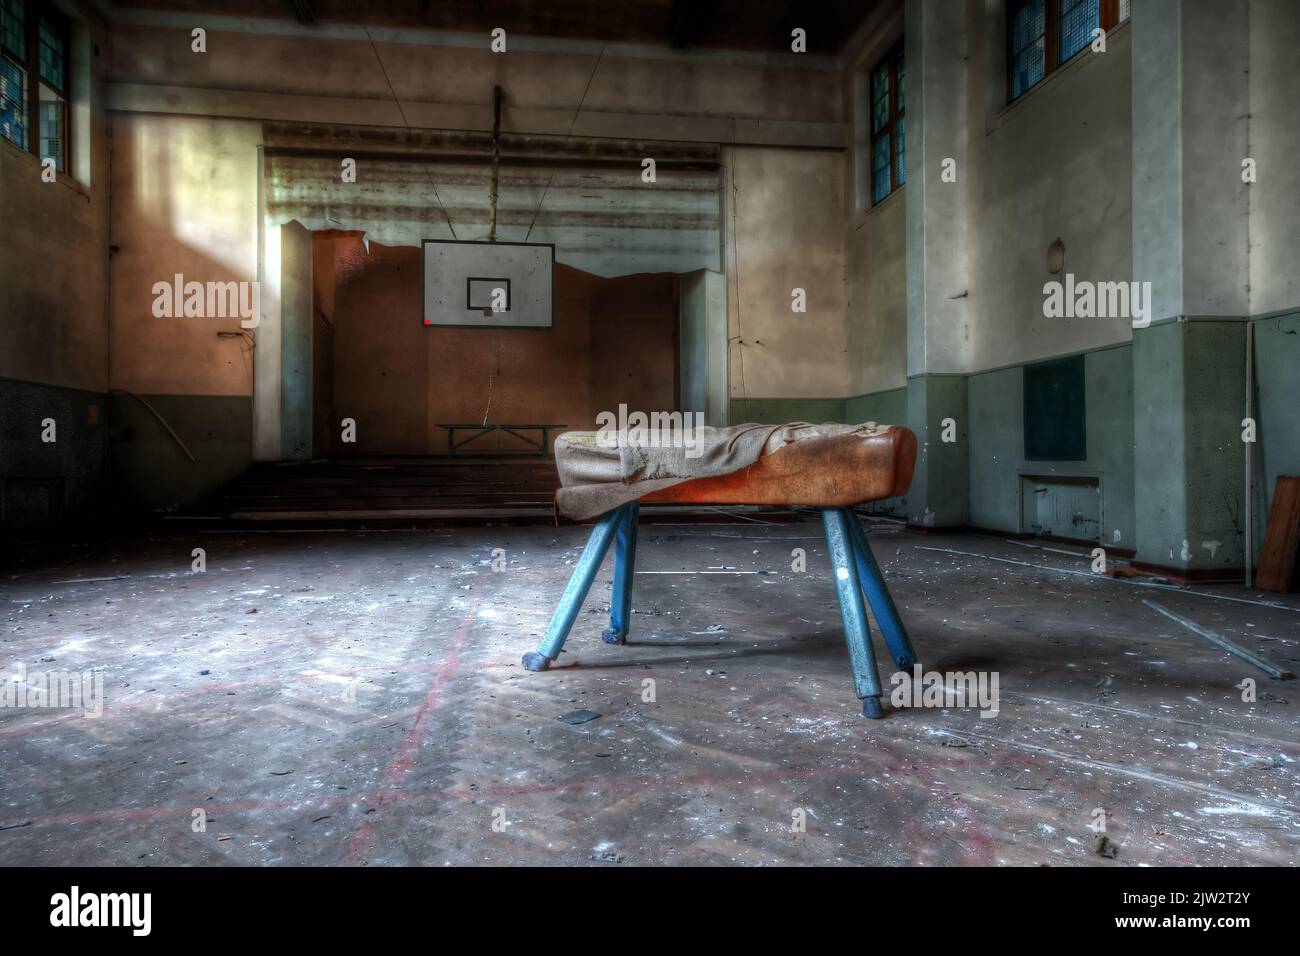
column 1274, row 145
column 1055, row 163
column 54, row 243
column 314, row 62
column 53, row 264
column 783, row 218
column 277, row 70
column 877, row 298
column 789, row 221
column 184, row 201
column 876, row 250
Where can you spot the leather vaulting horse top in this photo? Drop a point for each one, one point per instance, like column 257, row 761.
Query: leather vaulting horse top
column 797, row 464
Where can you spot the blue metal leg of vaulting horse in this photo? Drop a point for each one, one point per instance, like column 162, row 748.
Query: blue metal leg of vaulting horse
column 575, row 592
column 853, row 613
column 881, row 601
column 620, row 602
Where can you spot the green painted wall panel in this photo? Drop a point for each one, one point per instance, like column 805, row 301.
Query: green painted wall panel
column 43, row 481
column 1189, row 399
column 151, row 471
column 885, row 408
column 1215, row 381
column 996, row 408
column 1166, row 408
column 940, row 493
column 1160, row 484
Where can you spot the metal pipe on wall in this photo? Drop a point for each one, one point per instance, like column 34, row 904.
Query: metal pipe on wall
column 496, row 158
column 1249, row 561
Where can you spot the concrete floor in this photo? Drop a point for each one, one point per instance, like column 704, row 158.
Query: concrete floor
column 356, row 698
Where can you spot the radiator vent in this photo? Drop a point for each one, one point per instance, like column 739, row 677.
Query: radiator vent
column 1060, row 506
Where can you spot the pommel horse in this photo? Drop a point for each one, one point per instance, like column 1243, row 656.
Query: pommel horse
column 833, row 474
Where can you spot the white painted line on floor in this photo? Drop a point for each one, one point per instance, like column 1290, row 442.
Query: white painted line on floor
column 1264, row 805
column 1106, row 577
column 1166, row 718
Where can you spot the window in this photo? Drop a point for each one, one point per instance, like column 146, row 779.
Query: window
column 887, row 90
column 1026, row 24
column 13, row 78
column 1044, row 34
column 34, row 79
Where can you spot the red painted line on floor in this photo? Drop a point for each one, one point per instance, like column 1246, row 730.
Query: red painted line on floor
column 977, row 848
column 977, row 845
column 160, row 704
column 391, row 777
column 397, row 796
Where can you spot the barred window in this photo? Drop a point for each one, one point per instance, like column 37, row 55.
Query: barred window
column 34, row 80
column 1079, row 18
column 1027, row 48
column 13, row 76
column 888, row 92
column 1044, row 34
column 13, row 102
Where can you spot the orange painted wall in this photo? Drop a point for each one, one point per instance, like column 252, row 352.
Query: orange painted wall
column 613, row 341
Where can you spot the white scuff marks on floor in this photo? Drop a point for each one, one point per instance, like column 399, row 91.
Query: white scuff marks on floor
column 1241, row 809
column 819, row 727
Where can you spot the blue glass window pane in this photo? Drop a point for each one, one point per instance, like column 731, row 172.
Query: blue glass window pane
column 13, row 31
column 880, row 169
column 880, row 83
column 879, row 99
column 52, row 55
column 1027, row 68
column 902, row 150
column 1079, row 18
column 902, row 85
column 1027, row 46
column 1028, row 23
column 13, row 103
column 52, row 133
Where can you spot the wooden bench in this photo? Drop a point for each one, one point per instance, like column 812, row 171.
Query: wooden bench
column 542, row 446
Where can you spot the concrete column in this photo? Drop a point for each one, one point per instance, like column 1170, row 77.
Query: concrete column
column 1190, row 216
column 266, row 356
column 702, row 329
column 940, row 493
column 295, row 341
column 936, row 33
